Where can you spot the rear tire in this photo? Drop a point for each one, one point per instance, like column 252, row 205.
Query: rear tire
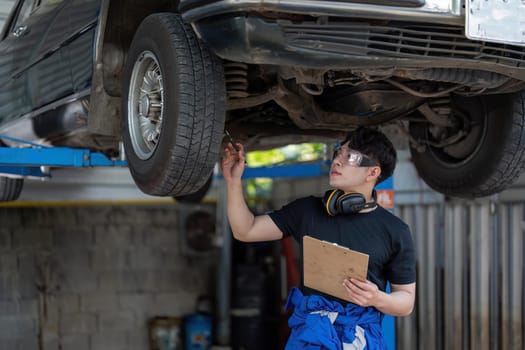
column 485, row 161
column 10, row 188
column 173, row 105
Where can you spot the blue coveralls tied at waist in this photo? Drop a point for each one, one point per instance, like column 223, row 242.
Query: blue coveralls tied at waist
column 313, row 327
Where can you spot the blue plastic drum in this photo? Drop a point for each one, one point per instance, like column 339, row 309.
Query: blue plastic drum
column 197, row 332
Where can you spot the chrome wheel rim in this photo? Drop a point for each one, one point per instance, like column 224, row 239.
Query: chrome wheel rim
column 145, row 105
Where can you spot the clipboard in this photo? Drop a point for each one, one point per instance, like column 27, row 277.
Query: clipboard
column 326, row 265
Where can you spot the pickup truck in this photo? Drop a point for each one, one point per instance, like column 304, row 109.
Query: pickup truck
column 165, row 78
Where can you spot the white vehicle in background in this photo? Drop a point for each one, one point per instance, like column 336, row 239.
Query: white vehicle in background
column 167, row 77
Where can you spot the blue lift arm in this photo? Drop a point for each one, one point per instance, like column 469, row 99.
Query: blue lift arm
column 27, row 161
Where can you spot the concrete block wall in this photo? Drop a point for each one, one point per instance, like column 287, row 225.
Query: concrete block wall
column 89, row 278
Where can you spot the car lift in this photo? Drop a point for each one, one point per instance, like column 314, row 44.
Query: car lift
column 34, row 161
column 29, row 161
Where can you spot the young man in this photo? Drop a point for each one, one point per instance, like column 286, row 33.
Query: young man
column 348, row 216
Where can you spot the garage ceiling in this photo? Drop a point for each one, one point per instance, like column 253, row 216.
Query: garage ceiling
column 5, row 7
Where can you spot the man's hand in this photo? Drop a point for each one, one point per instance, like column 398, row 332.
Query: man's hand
column 233, row 162
column 399, row 302
column 363, row 293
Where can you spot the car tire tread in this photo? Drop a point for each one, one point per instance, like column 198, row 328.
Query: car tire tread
column 10, row 188
column 198, row 128
column 201, row 111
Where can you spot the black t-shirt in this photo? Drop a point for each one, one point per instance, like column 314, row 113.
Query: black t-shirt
column 379, row 233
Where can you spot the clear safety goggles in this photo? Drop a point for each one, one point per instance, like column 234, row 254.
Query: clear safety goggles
column 352, row 157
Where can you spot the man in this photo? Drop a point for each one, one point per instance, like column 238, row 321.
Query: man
column 348, row 216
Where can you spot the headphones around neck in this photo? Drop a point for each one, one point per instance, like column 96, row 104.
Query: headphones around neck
column 340, row 202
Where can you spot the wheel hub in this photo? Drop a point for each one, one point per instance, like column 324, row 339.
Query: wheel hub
column 145, row 105
column 456, row 144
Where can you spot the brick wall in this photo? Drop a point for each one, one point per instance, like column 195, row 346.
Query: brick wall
column 87, row 278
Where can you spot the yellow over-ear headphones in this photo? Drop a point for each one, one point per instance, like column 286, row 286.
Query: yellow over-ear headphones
column 340, row 202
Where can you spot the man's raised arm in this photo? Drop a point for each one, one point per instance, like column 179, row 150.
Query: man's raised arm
column 245, row 226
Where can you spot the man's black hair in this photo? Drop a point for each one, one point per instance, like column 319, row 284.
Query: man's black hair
column 375, row 145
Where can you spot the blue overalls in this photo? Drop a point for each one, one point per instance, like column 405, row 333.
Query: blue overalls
column 320, row 324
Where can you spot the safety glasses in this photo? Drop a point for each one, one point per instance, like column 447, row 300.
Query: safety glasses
column 353, row 158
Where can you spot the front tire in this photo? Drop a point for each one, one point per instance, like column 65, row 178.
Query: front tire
column 198, row 196
column 487, row 159
column 173, row 107
column 10, row 188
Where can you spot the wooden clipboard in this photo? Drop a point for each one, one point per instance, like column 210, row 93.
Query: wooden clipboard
column 326, row 265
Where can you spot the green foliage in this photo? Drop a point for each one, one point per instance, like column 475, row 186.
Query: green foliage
column 258, row 189
column 262, row 188
column 304, row 152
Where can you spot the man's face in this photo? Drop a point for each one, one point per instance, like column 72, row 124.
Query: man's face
column 350, row 170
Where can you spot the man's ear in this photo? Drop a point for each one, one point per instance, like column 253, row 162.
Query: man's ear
column 373, row 173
